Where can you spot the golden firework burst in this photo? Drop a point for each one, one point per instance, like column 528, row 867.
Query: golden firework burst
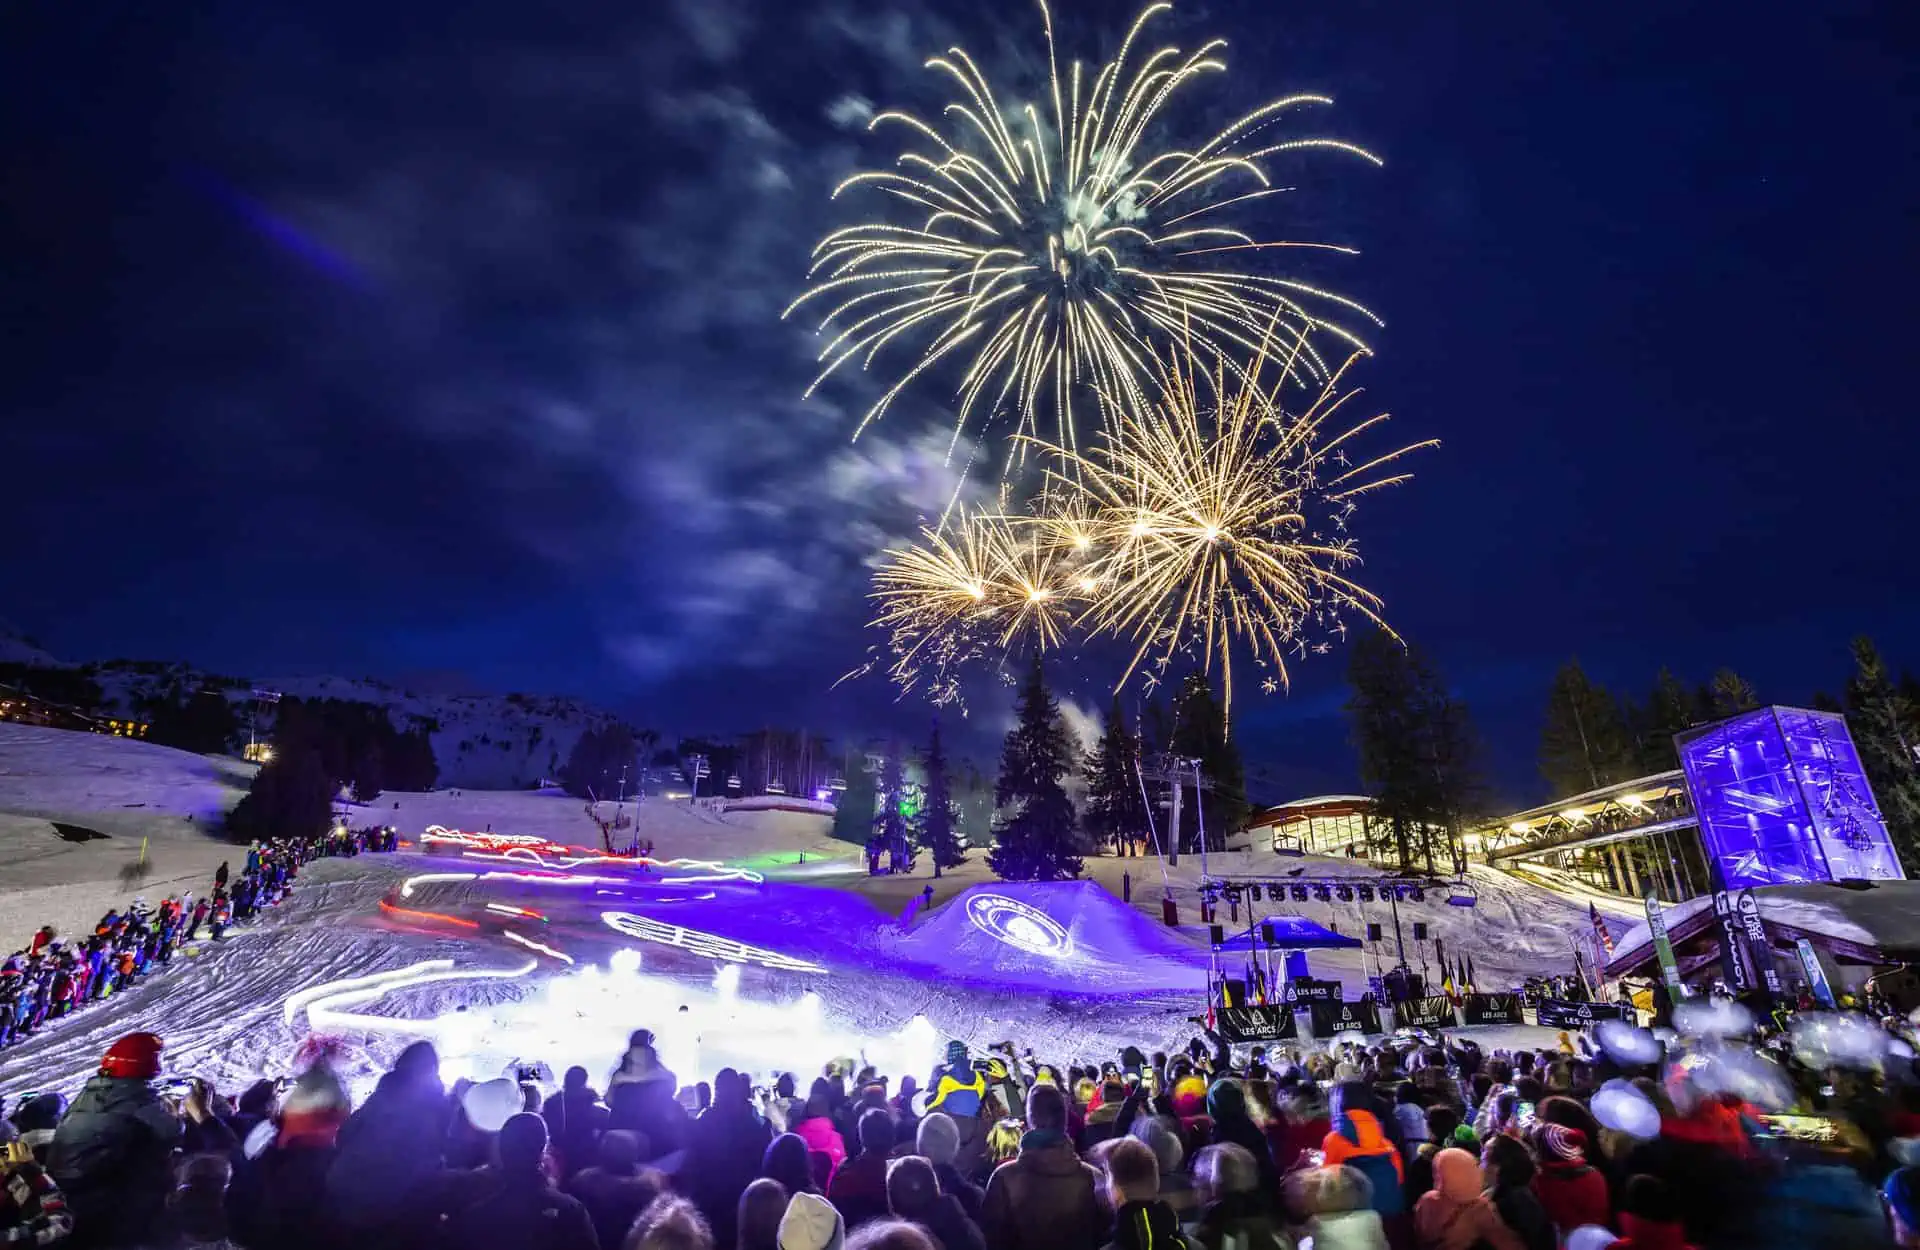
column 1054, row 249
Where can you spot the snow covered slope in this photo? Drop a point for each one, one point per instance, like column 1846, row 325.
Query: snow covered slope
column 763, row 840
column 501, row 741
column 75, row 809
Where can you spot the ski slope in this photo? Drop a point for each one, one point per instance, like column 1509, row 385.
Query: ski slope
column 237, row 1010
column 75, row 810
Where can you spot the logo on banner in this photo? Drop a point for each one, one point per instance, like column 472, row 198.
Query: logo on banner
column 1759, row 949
column 1333, row 1018
column 1554, row 1013
column 1424, row 1013
column 1303, row 990
column 1493, row 1009
column 1257, row 1024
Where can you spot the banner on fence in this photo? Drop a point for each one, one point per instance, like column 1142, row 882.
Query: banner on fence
column 1555, row 1013
column 1329, row 1019
column 1238, row 1025
column 1492, row 1009
column 1424, row 1013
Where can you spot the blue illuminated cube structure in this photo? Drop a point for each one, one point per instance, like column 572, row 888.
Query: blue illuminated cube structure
column 1782, row 798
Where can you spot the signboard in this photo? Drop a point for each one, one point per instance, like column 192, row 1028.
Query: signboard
column 1330, row 1019
column 1759, row 949
column 1816, row 973
column 1424, row 1013
column 1556, row 1013
column 1307, row 990
column 1256, row 1024
column 1737, row 966
column 1377, row 986
column 1663, row 947
column 1492, row 1009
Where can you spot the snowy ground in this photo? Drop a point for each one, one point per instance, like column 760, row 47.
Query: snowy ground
column 75, row 809
column 239, row 1009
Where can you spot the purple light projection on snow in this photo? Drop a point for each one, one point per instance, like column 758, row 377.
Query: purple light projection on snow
column 1019, row 925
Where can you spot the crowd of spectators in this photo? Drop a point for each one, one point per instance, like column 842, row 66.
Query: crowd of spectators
column 56, row 974
column 1412, row 1143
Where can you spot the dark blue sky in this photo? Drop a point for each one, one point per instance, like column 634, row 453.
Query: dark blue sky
column 444, row 340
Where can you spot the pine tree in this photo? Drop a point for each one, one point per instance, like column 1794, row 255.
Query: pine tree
column 1419, row 755
column 1200, row 733
column 291, row 796
column 1885, row 725
column 1667, row 711
column 890, row 822
column 1115, row 812
column 1584, row 743
column 1382, row 719
column 1731, row 694
column 1035, row 842
column 939, row 831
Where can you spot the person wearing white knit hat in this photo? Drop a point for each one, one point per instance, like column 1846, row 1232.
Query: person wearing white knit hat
column 811, row 1223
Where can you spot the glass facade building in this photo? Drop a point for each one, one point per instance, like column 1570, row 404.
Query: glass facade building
column 1781, row 798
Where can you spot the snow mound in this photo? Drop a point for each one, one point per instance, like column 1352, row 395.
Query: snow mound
column 1064, row 935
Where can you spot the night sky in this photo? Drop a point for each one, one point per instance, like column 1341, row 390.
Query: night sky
column 443, row 340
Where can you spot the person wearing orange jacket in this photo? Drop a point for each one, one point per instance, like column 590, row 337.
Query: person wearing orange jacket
column 1359, row 1140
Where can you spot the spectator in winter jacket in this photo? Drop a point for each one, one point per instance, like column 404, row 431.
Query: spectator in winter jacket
column 786, row 1162
column 938, row 1141
column 1359, row 1141
column 816, row 1125
column 1509, row 1170
column 1572, row 1191
column 517, row 1208
column 641, row 1097
column 1339, row 1208
column 615, row 1189
column 913, row 1194
column 726, row 1145
column 1650, row 1218
column 758, row 1216
column 1160, row 1135
column 859, row 1188
column 113, row 1153
column 279, row 1198
column 1233, row 1212
column 1456, row 1213
column 1441, row 1123
column 33, row 1211
column 1227, row 1107
column 389, row 1151
column 575, row 1119
column 1044, row 1198
column 1140, row 1220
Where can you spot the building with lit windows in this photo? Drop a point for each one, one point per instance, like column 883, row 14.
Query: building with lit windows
column 1326, row 824
column 26, row 709
column 1785, row 802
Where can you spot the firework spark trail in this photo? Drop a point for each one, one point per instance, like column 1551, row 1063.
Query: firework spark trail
column 1207, row 518
column 1056, row 256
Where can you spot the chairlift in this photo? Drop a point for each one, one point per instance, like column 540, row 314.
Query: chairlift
column 1460, row 894
column 1289, row 845
column 838, row 783
column 733, row 781
column 776, row 786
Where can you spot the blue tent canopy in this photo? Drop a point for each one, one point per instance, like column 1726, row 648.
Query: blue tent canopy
column 1290, row 933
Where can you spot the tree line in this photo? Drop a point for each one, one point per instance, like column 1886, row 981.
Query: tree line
column 320, row 747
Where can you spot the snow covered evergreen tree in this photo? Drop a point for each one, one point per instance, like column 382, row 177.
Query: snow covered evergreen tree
column 1115, row 812
column 890, row 824
column 1035, row 840
column 939, row 831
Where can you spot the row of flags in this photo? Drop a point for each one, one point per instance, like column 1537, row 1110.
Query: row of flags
column 1454, row 987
